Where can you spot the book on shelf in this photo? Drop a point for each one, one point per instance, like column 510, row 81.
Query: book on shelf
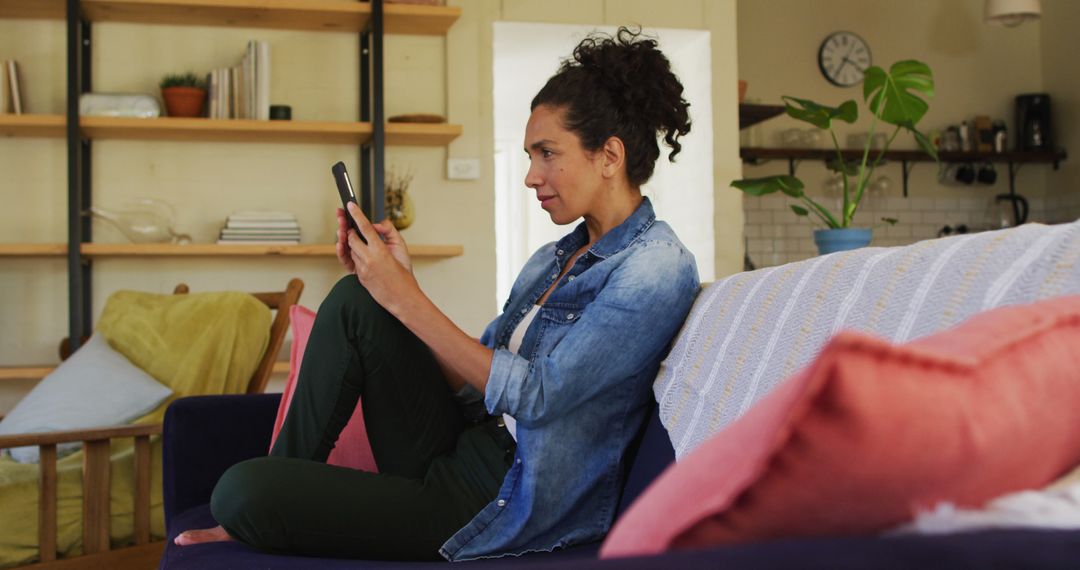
column 255, row 233
column 5, row 91
column 262, row 81
column 269, row 215
column 242, row 91
column 260, row 227
column 224, row 241
column 13, row 97
column 231, row 224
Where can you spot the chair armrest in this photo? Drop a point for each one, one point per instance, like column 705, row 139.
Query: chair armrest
column 205, row 435
column 82, row 435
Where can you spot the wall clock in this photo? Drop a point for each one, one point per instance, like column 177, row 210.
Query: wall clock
column 843, row 58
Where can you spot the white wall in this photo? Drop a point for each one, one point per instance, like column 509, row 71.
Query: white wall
column 1059, row 46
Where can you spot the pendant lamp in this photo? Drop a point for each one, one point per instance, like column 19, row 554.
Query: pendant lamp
column 1012, row 12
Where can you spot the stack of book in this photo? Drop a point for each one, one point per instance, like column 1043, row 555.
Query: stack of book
column 242, row 91
column 260, row 227
column 11, row 96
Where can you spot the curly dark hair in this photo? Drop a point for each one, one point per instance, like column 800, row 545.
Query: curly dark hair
column 620, row 86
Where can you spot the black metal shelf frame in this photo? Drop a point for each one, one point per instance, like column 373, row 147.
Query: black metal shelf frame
column 79, row 195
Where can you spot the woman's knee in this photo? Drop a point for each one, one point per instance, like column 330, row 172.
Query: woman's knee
column 349, row 295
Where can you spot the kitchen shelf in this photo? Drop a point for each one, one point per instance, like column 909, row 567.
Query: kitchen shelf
column 308, row 15
column 230, row 130
column 761, row 153
column 32, row 125
column 752, row 114
column 907, row 158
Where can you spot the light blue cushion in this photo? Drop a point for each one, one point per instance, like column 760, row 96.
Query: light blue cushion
column 95, row 387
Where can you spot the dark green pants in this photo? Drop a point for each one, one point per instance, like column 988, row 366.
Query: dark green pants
column 435, row 471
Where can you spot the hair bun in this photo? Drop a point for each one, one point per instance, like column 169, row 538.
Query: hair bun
column 623, row 86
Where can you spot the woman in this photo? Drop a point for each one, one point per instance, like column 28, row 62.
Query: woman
column 564, row 372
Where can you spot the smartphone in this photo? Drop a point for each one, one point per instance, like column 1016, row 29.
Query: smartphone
column 345, row 190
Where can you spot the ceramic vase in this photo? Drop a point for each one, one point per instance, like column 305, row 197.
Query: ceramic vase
column 841, row 239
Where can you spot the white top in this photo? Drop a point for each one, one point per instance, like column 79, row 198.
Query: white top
column 513, row 346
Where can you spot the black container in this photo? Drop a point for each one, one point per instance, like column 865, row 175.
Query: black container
column 280, row 112
column 1033, row 129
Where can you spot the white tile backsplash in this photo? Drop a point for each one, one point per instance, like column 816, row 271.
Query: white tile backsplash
column 776, row 236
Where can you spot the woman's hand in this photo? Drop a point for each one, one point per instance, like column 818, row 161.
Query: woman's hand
column 383, row 267
column 392, row 238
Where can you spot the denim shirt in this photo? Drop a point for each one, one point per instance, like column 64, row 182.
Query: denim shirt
column 581, row 382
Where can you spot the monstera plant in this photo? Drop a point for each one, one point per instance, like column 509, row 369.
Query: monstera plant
column 897, row 100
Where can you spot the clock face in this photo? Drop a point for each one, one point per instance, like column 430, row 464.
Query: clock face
column 844, row 58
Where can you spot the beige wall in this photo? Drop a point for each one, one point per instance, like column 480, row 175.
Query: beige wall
column 316, row 73
column 978, row 69
column 1059, row 47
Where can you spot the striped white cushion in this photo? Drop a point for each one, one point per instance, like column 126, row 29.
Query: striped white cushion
column 747, row 333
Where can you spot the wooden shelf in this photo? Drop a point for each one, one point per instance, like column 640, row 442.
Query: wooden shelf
column 751, row 114
column 25, row 372
column 1016, row 157
column 421, row 134
column 215, row 250
column 33, row 250
column 32, row 125
column 225, row 130
column 32, row 9
column 206, row 250
column 310, row 15
column 230, row 130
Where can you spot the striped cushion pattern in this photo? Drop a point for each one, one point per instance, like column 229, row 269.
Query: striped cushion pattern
column 748, row 332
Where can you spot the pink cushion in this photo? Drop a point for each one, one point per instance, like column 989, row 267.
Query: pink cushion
column 352, row 449
column 871, row 432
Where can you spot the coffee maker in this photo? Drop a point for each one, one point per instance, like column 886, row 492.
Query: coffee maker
column 1033, row 131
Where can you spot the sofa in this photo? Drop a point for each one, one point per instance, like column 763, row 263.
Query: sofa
column 740, row 328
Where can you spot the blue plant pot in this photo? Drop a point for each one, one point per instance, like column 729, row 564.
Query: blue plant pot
column 844, row 239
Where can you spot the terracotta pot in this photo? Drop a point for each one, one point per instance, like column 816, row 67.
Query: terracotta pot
column 184, row 101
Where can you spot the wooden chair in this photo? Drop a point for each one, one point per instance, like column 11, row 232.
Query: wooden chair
column 96, row 449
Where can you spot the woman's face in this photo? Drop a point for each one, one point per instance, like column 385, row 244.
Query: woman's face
column 567, row 178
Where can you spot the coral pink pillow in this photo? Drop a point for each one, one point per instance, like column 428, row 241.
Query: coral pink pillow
column 870, row 433
column 352, row 449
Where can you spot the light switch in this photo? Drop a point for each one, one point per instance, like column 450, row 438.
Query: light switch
column 463, row 168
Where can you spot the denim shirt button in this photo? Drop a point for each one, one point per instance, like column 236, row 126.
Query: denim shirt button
column 569, row 316
column 559, row 252
column 501, row 503
column 519, row 461
column 524, row 310
column 570, row 278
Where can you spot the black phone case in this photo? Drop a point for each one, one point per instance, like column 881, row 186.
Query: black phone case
column 345, row 190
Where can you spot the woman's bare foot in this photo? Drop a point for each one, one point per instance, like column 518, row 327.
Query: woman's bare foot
column 200, row 536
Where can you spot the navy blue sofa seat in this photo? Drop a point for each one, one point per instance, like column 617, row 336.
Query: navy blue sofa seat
column 205, row 435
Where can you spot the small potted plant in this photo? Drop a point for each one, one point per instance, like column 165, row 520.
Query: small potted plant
column 184, row 94
column 893, row 98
